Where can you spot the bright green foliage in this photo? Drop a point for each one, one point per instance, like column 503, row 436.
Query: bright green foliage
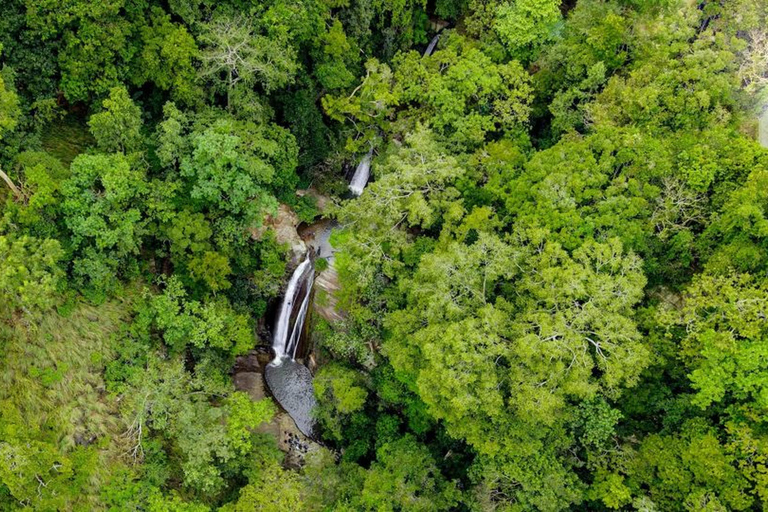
column 102, row 210
column 694, row 90
column 167, row 58
column 737, row 236
column 29, row 274
column 369, row 107
column 724, row 341
column 591, row 187
column 462, row 93
column 172, row 143
column 688, row 471
column 233, row 162
column 221, row 178
column 341, row 394
column 569, row 107
column 544, row 357
column 597, row 423
column 525, row 25
column 9, row 106
column 55, row 419
column 551, row 292
column 404, row 477
column 244, row 413
column 211, row 268
column 337, row 384
column 40, row 181
column 412, row 189
column 173, row 503
column 334, row 73
column 118, row 127
column 594, row 43
column 212, row 441
column 272, row 489
column 537, row 478
column 34, row 471
column 96, row 45
column 221, row 174
column 347, row 340
column 212, row 325
column 327, row 483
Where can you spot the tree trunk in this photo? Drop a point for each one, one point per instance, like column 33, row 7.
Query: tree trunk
column 16, row 192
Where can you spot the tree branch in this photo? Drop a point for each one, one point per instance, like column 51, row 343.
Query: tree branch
column 16, row 192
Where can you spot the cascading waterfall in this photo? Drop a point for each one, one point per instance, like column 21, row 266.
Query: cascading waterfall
column 362, row 173
column 431, row 46
column 290, row 381
column 290, row 319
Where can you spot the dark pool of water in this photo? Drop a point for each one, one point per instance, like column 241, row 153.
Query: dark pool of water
column 291, row 385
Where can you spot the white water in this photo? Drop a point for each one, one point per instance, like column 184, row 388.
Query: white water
column 287, row 334
column 362, row 173
column 293, row 343
column 431, row 46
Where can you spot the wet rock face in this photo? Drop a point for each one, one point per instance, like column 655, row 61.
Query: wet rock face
column 291, row 385
column 317, row 236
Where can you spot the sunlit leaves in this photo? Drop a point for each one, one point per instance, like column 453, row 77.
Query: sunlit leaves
column 118, row 126
column 724, row 345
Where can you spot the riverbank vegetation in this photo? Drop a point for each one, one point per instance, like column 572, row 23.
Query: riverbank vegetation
column 553, row 290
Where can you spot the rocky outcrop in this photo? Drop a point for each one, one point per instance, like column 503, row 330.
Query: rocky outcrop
column 318, row 238
column 326, row 289
column 251, row 383
column 284, row 225
column 249, row 378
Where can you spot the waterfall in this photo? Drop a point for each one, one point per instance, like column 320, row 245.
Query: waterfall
column 431, row 46
column 362, row 173
column 290, row 319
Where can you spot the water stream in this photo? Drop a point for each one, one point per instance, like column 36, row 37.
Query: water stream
column 289, row 380
column 290, row 319
column 431, row 46
column 362, row 173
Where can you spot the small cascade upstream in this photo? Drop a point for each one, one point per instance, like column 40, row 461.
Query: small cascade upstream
column 289, row 380
column 431, row 46
column 362, row 173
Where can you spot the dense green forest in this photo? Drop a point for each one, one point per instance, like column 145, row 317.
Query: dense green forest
column 553, row 293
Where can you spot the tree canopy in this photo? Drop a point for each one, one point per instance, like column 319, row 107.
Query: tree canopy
column 550, row 295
